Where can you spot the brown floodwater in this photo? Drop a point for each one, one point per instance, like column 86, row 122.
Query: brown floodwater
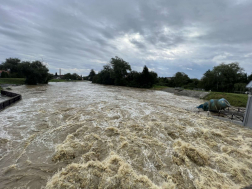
column 83, row 135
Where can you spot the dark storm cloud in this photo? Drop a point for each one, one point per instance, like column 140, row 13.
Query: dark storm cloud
column 167, row 36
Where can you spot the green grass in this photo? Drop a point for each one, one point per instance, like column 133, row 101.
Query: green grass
column 238, row 100
column 18, row 81
column 158, row 87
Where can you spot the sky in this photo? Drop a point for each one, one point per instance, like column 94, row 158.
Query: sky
column 167, row 36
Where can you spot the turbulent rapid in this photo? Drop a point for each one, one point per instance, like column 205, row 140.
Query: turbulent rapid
column 83, row 135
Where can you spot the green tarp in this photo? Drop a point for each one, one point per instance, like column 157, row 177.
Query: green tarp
column 215, row 105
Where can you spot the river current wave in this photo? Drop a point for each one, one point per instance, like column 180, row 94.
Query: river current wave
column 83, row 135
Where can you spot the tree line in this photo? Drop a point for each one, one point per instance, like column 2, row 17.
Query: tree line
column 35, row 72
column 69, row 76
column 222, row 78
column 118, row 72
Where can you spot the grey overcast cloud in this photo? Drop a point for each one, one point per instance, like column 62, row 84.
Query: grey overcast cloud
column 168, row 36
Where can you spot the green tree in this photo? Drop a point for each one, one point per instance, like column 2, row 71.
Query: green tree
column 75, row 76
column 223, row 77
column 12, row 64
column 67, row 76
column 241, row 87
column 35, row 73
column 193, row 83
column 91, row 75
column 207, row 81
column 50, row 76
column 171, row 82
column 104, row 76
column 146, row 79
column 162, row 81
column 242, row 77
column 134, row 79
column 120, row 70
column 181, row 79
column 154, row 77
column 21, row 69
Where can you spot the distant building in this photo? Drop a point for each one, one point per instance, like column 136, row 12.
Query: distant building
column 58, row 76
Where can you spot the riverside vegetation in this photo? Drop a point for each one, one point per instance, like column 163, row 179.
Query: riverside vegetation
column 224, row 78
column 118, row 72
column 34, row 72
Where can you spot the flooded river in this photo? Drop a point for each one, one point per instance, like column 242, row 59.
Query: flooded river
column 83, row 135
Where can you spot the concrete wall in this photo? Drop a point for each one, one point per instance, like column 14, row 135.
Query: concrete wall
column 15, row 98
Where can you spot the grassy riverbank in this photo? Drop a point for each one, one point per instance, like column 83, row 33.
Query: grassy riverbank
column 18, row 81
column 238, row 100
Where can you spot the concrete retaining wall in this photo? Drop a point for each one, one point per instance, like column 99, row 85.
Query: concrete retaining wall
column 15, row 98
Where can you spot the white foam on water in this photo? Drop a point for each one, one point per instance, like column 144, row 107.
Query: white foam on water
column 151, row 133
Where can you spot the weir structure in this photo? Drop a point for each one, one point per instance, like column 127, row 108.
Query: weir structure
column 248, row 115
column 14, row 98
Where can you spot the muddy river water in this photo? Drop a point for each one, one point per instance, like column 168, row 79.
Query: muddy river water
column 83, row 135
